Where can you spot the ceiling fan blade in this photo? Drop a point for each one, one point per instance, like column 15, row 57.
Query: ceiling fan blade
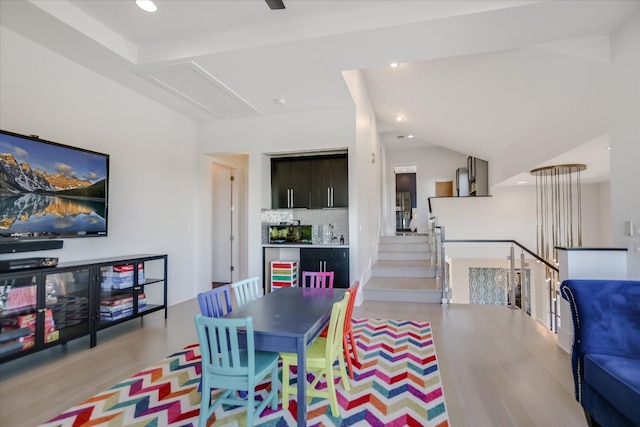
column 275, row 4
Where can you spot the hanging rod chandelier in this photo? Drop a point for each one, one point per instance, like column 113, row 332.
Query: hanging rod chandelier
column 558, row 208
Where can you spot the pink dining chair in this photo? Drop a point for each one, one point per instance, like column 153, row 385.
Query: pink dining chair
column 317, row 279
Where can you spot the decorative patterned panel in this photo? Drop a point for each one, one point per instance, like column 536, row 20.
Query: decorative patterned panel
column 487, row 286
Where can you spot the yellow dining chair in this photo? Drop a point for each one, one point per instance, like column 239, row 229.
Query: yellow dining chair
column 320, row 358
column 348, row 339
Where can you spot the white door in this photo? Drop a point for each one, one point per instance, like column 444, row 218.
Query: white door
column 225, row 225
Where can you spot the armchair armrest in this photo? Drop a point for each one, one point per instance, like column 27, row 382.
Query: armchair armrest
column 606, row 320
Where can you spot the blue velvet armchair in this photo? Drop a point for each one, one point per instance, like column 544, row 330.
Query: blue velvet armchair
column 606, row 349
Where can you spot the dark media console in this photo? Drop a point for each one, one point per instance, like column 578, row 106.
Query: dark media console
column 51, row 305
column 27, row 263
column 16, row 246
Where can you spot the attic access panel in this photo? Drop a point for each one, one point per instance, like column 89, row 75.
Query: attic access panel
column 197, row 86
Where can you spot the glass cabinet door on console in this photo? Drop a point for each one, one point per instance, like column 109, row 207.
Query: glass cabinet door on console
column 18, row 313
column 130, row 289
column 117, row 293
column 67, row 311
column 150, row 283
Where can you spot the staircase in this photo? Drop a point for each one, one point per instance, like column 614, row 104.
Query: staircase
column 403, row 272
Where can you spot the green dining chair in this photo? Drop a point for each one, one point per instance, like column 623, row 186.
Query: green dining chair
column 226, row 368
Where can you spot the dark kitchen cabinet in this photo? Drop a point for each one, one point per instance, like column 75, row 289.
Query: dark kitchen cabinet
column 310, row 182
column 327, row 259
column 329, row 182
column 290, row 183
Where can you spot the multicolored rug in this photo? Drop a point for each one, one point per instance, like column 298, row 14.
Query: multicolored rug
column 397, row 383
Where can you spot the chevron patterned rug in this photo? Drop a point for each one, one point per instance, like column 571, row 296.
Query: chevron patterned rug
column 397, row 383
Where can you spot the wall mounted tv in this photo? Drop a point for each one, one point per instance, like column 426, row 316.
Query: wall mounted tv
column 50, row 190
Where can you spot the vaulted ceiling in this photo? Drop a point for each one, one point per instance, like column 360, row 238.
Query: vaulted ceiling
column 483, row 78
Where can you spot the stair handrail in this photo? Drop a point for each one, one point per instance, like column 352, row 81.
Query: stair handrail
column 513, row 241
column 440, row 265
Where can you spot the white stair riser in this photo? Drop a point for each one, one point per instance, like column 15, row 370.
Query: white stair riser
column 406, row 250
column 408, row 239
column 402, row 272
column 400, row 247
column 434, row 297
column 399, row 256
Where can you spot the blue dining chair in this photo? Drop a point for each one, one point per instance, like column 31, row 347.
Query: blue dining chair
column 228, row 367
column 215, row 302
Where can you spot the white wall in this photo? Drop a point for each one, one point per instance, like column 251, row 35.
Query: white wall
column 625, row 139
column 432, row 165
column 364, row 185
column 604, row 210
column 510, row 214
column 152, row 197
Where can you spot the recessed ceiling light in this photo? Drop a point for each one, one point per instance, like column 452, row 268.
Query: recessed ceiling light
column 394, row 64
column 410, row 136
column 399, row 118
column 146, row 5
column 522, row 182
column 280, row 101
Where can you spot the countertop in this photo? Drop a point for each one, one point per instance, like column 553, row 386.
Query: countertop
column 293, row 245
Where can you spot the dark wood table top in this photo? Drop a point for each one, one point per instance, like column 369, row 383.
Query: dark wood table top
column 290, row 311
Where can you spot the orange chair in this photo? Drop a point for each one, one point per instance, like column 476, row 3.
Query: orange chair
column 348, row 340
column 317, row 279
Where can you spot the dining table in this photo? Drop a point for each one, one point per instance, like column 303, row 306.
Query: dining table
column 288, row 320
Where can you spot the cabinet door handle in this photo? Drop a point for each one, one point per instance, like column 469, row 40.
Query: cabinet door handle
column 331, row 196
column 291, row 205
column 328, row 197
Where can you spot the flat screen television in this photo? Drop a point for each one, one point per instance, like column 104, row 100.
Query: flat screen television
column 50, row 190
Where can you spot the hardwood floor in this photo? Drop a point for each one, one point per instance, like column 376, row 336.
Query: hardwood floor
column 499, row 367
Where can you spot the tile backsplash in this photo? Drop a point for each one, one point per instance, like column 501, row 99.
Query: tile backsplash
column 321, row 218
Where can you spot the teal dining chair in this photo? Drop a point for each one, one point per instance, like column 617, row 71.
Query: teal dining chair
column 226, row 368
column 215, row 303
column 247, row 290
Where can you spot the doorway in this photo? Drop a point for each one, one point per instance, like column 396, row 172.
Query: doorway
column 405, row 197
column 225, row 225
